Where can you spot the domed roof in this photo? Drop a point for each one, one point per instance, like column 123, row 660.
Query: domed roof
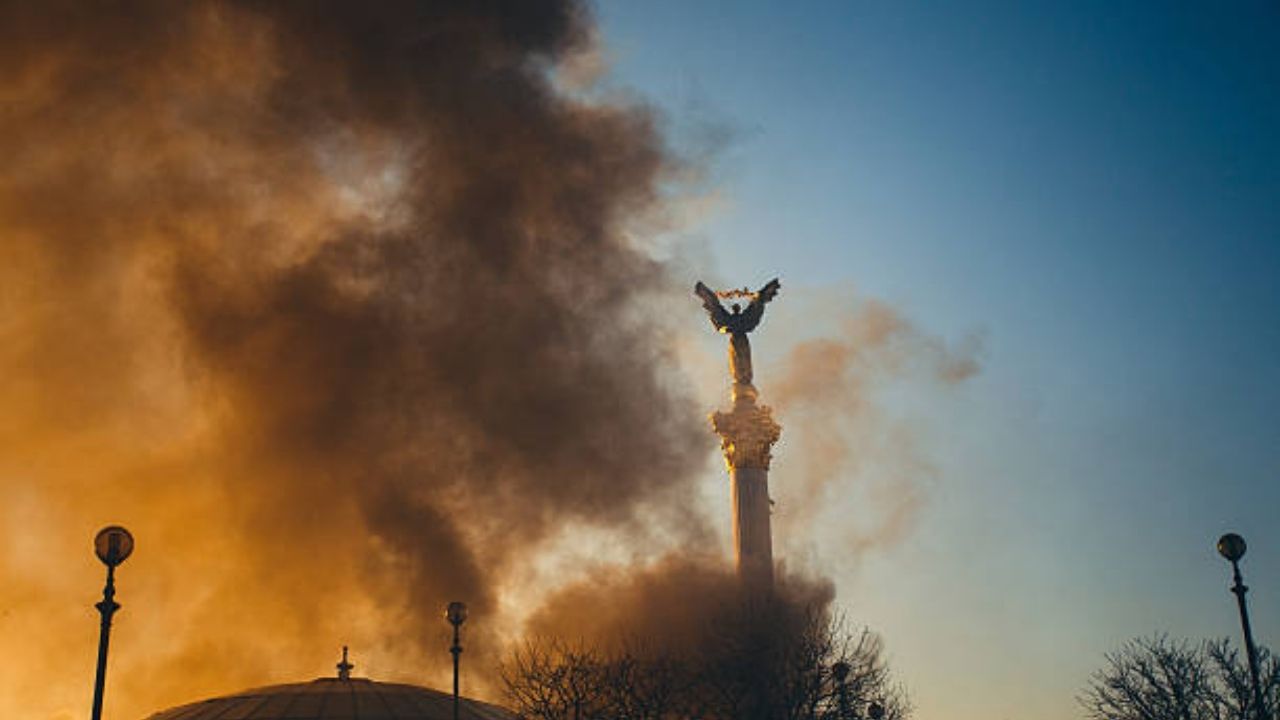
column 336, row 699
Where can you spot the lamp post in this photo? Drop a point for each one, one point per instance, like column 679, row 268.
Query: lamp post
column 112, row 545
column 840, row 671
column 456, row 614
column 1231, row 546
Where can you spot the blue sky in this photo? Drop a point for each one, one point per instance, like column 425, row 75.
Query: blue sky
column 1095, row 191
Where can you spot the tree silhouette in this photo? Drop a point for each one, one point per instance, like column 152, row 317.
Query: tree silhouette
column 1161, row 679
column 751, row 663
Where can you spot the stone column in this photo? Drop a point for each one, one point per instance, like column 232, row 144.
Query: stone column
column 747, row 434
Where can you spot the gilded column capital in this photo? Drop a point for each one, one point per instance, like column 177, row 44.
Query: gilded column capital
column 747, row 432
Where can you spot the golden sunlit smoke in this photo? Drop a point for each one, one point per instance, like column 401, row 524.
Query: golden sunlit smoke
column 667, row 604
column 335, row 306
column 332, row 305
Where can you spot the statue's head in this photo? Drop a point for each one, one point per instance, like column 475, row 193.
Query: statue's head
column 737, row 309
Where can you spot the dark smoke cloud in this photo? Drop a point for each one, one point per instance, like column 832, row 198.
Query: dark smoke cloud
column 664, row 606
column 336, row 306
column 332, row 303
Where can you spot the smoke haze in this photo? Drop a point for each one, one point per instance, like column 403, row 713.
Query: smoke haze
column 844, row 450
column 331, row 304
column 337, row 307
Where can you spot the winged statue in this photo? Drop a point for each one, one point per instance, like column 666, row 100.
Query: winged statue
column 737, row 322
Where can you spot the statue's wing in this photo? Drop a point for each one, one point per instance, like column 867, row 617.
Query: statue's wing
column 767, row 292
column 751, row 316
column 719, row 316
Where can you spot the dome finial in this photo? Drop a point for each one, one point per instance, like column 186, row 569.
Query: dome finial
column 344, row 667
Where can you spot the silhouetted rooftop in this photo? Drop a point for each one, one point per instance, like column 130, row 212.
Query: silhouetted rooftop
column 336, row 699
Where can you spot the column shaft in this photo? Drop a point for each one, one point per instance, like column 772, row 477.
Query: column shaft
column 752, row 537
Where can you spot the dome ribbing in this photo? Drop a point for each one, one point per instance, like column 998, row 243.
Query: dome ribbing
column 336, row 699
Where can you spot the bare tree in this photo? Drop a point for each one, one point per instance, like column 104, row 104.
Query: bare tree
column 780, row 661
column 1233, row 683
column 775, row 663
column 640, row 684
column 549, row 679
column 1161, row 679
column 552, row 680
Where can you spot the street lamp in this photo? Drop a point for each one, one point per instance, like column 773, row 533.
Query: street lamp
column 1231, row 546
column 841, row 672
column 113, row 545
column 456, row 614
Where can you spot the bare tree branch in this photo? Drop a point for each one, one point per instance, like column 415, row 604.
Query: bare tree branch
column 1160, row 679
column 752, row 663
